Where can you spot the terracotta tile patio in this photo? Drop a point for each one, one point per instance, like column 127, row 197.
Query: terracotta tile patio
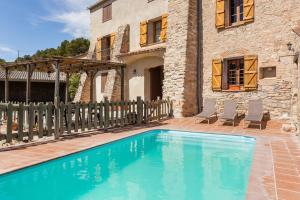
column 275, row 172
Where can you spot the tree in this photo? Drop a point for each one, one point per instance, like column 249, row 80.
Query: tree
column 66, row 48
column 73, row 85
column 2, row 60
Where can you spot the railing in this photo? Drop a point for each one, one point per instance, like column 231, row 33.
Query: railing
column 26, row 122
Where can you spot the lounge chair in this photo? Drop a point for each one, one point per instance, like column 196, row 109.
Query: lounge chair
column 230, row 113
column 209, row 110
column 255, row 113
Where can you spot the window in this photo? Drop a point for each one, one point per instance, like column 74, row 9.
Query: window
column 156, row 31
column 235, row 74
column 236, row 11
column 233, row 12
column 103, row 81
column 107, row 13
column 153, row 31
column 105, row 48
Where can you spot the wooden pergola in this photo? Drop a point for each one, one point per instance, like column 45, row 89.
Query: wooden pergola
column 67, row 65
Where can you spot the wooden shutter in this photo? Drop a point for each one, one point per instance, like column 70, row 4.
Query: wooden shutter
column 107, row 13
column 217, row 75
column 250, row 72
column 164, row 25
column 225, row 85
column 143, row 33
column 98, row 48
column 112, row 40
column 248, row 10
column 220, row 13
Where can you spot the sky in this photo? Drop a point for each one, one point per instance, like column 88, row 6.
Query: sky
column 30, row 25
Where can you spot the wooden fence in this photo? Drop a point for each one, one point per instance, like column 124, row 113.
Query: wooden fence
column 23, row 122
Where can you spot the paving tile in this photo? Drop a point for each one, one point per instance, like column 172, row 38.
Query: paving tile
column 276, row 157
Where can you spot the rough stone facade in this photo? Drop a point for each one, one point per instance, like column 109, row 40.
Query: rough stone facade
column 267, row 37
column 181, row 57
column 276, row 23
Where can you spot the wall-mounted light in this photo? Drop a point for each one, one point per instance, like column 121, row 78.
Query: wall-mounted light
column 134, row 72
column 289, row 46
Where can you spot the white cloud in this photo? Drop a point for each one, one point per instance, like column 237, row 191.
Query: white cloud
column 73, row 14
column 7, row 50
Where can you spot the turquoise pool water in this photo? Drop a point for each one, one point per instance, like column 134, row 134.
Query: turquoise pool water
column 155, row 165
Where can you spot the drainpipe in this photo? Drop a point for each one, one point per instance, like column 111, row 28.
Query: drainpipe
column 199, row 56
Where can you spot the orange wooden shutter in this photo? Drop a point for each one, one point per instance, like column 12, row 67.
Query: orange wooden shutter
column 220, row 13
column 248, row 10
column 250, row 72
column 98, row 48
column 143, row 33
column 216, row 74
column 164, row 25
column 112, row 39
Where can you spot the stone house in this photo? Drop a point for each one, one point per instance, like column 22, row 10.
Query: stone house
column 189, row 50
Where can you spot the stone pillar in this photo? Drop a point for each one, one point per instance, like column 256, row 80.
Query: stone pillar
column 181, row 57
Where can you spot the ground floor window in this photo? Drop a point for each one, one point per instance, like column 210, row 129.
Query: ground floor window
column 235, row 73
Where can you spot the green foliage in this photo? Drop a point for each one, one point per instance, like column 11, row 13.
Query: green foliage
column 67, row 48
column 2, row 60
column 73, row 85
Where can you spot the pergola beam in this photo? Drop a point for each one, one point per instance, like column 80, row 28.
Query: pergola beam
column 56, row 67
column 28, row 83
column 92, row 76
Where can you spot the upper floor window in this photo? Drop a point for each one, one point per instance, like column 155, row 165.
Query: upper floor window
column 104, row 47
column 234, row 12
column 156, row 31
column 153, row 31
column 107, row 13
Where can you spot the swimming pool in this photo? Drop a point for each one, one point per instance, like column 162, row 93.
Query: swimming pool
column 158, row 164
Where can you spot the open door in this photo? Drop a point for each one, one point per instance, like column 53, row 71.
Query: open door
column 156, row 82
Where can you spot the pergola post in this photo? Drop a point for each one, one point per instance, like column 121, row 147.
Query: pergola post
column 67, row 88
column 28, row 84
column 56, row 67
column 6, row 97
column 92, row 75
column 122, row 83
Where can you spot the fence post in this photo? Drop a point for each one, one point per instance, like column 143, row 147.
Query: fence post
column 170, row 103
column 139, row 110
column 62, row 118
column 69, row 117
column 49, row 120
column 20, row 121
column 30, row 121
column 77, row 111
column 89, row 117
column 40, row 120
column 106, row 113
column 158, row 101
column 9, row 123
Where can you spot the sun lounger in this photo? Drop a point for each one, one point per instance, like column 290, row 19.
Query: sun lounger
column 230, row 113
column 209, row 110
column 255, row 112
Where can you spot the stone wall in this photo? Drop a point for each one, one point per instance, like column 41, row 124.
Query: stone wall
column 266, row 37
column 180, row 57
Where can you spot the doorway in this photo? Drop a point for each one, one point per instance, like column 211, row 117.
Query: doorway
column 156, row 82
